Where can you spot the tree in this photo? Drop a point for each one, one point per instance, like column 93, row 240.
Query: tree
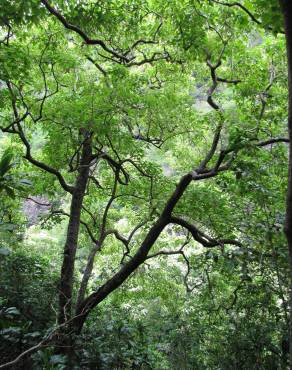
column 124, row 107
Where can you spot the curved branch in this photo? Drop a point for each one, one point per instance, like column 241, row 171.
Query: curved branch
column 245, row 10
column 27, row 145
column 236, row 4
column 81, row 33
column 98, row 66
column 182, row 253
column 90, row 233
column 199, row 236
column 116, row 166
column 44, row 342
column 273, row 141
column 213, row 148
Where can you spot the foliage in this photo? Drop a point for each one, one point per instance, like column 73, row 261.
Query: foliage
column 28, row 292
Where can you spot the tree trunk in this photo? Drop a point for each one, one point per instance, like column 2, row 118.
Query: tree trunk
column 86, row 274
column 66, row 282
column 286, row 6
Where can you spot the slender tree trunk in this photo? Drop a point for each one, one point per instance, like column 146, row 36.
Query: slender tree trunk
column 86, row 274
column 286, row 6
column 66, row 282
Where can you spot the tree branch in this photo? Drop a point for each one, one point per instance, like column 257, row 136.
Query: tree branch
column 273, row 141
column 236, row 4
column 27, row 145
column 81, row 33
column 201, row 237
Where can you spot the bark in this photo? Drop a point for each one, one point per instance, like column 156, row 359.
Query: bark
column 286, row 6
column 66, row 282
column 86, row 274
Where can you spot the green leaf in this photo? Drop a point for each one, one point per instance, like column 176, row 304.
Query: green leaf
column 5, row 162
